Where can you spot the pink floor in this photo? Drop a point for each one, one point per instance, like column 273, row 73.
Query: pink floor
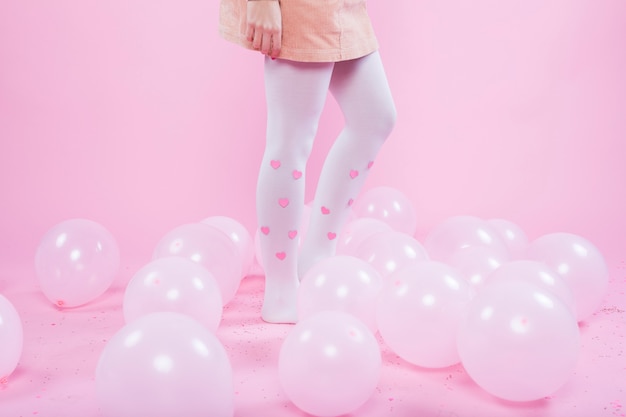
column 61, row 348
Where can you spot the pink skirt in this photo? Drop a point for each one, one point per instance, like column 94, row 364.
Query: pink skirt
column 313, row 30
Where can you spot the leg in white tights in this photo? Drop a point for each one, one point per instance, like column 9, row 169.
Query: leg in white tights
column 296, row 93
column 360, row 88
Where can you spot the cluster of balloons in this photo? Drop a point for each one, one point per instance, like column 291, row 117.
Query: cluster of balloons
column 475, row 292
column 166, row 360
column 173, row 306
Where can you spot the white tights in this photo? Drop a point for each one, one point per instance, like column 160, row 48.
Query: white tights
column 296, row 93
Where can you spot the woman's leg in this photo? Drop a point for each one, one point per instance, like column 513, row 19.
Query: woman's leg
column 295, row 94
column 362, row 92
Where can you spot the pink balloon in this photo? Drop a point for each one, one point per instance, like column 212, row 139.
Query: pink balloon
column 11, row 338
column 76, row 262
column 390, row 251
column 513, row 236
column 239, row 235
column 341, row 283
column 174, row 284
column 329, row 364
column 539, row 274
column 388, row 205
column 356, row 231
column 477, row 263
column 459, row 232
column 419, row 311
column 518, row 341
column 164, row 364
column 209, row 247
column 580, row 263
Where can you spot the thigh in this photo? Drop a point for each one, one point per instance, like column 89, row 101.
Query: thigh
column 296, row 89
column 361, row 89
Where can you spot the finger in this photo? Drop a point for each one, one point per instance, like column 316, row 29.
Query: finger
column 266, row 44
column 250, row 33
column 258, row 38
column 276, row 44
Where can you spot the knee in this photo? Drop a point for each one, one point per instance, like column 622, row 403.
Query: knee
column 380, row 123
column 292, row 148
column 387, row 121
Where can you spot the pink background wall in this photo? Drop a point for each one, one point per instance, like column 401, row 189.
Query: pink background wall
column 137, row 115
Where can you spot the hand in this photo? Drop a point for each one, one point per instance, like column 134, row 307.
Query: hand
column 264, row 26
